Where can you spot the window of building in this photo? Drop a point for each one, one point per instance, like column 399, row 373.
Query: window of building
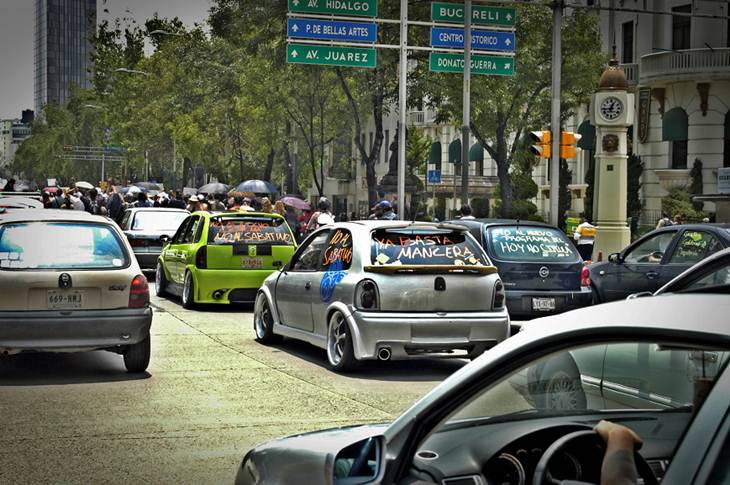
column 681, row 27
column 435, row 156
column 627, row 43
column 674, row 130
column 726, row 153
column 476, row 154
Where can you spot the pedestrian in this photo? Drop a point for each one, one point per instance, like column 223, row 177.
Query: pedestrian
column 663, row 221
column 142, row 200
column 58, row 200
column 266, row 205
column 323, row 216
column 176, row 201
column 465, row 212
column 246, row 205
column 585, row 236
column 10, row 186
column 677, row 220
column 46, row 199
column 291, row 218
column 115, row 205
column 279, row 208
column 195, row 204
column 384, row 211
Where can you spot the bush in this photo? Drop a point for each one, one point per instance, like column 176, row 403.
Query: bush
column 679, row 202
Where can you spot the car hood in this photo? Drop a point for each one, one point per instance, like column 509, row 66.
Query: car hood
column 303, row 458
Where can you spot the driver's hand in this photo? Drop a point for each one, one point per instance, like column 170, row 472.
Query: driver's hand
column 618, row 435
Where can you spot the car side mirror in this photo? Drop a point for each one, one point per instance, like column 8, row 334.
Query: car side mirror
column 358, row 463
column 164, row 239
column 615, row 258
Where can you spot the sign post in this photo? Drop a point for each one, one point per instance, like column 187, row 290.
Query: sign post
column 466, row 105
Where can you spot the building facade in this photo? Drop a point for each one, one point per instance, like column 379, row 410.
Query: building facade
column 62, row 48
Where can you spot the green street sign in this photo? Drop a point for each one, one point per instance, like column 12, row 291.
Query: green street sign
column 494, row 65
column 326, row 55
column 481, row 15
column 360, row 8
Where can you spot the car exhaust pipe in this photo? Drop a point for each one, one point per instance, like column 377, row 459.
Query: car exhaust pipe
column 384, row 353
column 218, row 294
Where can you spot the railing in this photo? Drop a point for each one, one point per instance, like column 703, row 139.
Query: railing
column 420, row 117
column 685, row 64
column 632, row 73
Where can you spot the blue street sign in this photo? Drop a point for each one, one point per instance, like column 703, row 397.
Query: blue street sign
column 434, row 176
column 306, row 28
column 487, row 40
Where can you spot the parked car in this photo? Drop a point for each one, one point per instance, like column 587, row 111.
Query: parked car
column 540, row 268
column 18, row 202
column 711, row 275
column 385, row 290
column 69, row 282
column 479, row 427
column 652, row 261
column 223, row 258
column 147, row 227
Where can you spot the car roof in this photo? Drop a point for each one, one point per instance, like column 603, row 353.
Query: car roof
column 26, row 215
column 498, row 222
column 379, row 224
column 664, row 317
column 237, row 214
column 155, row 209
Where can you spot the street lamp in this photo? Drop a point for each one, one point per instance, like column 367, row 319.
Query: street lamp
column 164, row 32
column 131, row 71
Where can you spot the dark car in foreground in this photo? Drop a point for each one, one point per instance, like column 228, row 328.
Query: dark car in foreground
column 655, row 259
column 541, row 270
column 711, row 275
column 148, row 229
column 524, row 411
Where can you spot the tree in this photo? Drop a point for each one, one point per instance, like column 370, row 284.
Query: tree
column 505, row 108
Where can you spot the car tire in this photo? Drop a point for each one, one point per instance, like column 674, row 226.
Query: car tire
column 340, row 353
column 263, row 322
column 137, row 356
column 560, row 386
column 160, row 280
column 595, row 297
column 188, row 293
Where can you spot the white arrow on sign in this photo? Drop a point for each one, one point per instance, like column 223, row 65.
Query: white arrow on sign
column 509, row 15
column 294, row 53
column 296, row 3
column 295, row 28
column 506, row 65
column 507, row 41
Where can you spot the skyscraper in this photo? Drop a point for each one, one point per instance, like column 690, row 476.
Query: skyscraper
column 62, row 48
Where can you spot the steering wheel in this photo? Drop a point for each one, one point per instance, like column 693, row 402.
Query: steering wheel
column 588, row 437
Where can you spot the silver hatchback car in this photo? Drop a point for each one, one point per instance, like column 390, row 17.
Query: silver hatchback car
column 385, row 290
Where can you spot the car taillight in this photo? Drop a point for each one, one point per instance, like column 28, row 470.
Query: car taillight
column 585, row 276
column 139, row 292
column 366, row 295
column 201, row 258
column 498, row 295
column 137, row 242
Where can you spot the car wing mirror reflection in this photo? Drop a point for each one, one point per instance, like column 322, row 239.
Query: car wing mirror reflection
column 164, row 239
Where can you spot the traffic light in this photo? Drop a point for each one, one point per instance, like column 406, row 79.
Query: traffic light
column 541, row 143
column 568, row 141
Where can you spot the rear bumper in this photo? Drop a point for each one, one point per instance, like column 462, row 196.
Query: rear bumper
column 519, row 302
column 223, row 286
column 147, row 259
column 429, row 334
column 74, row 330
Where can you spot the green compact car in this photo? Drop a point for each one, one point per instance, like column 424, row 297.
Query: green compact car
column 223, row 257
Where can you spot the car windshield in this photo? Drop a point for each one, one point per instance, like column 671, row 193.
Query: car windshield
column 530, row 243
column 75, row 246
column 599, row 378
column 249, row 230
column 421, row 246
column 156, row 221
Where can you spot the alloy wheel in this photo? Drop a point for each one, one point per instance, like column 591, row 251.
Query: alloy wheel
column 336, row 339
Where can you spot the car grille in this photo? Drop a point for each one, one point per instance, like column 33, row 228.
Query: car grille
column 243, row 295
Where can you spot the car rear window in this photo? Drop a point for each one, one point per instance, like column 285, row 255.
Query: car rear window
column 425, row 247
column 526, row 243
column 157, row 221
column 249, row 230
column 62, row 245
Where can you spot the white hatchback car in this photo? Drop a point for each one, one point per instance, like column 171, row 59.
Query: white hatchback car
column 69, row 282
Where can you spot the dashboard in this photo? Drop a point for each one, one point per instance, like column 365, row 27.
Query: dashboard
column 507, row 453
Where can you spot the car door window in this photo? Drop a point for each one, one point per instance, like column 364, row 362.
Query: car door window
column 310, row 255
column 338, row 252
column 652, row 250
column 125, row 220
column 694, row 246
column 177, row 239
column 190, row 231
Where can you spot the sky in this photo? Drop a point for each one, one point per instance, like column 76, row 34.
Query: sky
column 17, row 18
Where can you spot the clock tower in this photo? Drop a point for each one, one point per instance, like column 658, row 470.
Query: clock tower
column 611, row 112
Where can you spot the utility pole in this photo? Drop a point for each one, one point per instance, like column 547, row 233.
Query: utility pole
column 555, row 118
column 402, row 106
column 174, row 163
column 467, row 106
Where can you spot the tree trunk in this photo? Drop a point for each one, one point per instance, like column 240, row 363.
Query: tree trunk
column 269, row 164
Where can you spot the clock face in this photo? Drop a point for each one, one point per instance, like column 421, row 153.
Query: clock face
column 611, row 108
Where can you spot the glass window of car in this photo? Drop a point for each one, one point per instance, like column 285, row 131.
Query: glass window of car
column 694, row 246
column 530, row 243
column 157, row 221
column 718, row 278
column 425, row 246
column 188, row 237
column 338, row 253
column 125, row 219
column 650, row 251
column 310, row 255
column 249, row 230
column 177, row 239
column 75, row 246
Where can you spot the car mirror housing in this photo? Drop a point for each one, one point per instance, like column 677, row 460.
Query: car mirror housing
column 358, row 463
column 615, row 258
column 164, row 239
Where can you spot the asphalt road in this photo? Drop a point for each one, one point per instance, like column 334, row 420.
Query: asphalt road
column 211, row 393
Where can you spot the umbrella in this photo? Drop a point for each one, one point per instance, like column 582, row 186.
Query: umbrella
column 132, row 189
column 189, row 191
column 84, row 185
column 296, row 202
column 51, row 190
column 149, row 185
column 213, row 188
column 256, row 186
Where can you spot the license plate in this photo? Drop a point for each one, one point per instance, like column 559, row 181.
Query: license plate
column 543, row 304
column 64, row 300
column 252, row 263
